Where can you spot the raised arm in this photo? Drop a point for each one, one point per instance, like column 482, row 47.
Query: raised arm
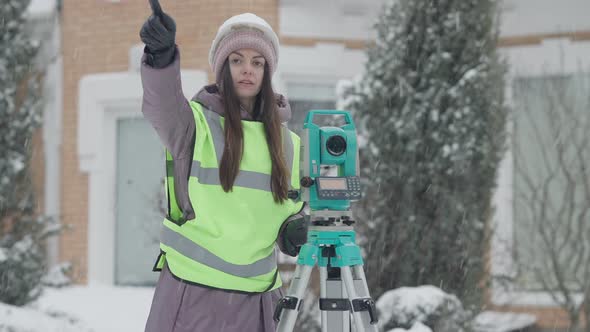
column 164, row 104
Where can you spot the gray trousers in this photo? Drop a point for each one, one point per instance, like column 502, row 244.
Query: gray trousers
column 178, row 306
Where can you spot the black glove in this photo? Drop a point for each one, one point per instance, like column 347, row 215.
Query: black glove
column 158, row 33
column 293, row 234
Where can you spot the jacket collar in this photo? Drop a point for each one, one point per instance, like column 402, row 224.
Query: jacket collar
column 210, row 97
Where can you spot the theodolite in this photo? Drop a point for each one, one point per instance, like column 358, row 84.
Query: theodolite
column 344, row 295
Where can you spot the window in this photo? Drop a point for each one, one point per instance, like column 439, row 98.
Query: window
column 551, row 144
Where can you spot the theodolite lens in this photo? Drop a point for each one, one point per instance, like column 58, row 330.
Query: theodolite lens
column 336, row 145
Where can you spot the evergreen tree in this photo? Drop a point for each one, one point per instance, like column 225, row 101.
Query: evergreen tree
column 22, row 259
column 431, row 108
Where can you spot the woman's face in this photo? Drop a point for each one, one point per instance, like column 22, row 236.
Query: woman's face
column 247, row 69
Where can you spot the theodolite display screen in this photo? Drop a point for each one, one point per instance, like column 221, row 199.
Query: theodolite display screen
column 332, row 184
column 338, row 188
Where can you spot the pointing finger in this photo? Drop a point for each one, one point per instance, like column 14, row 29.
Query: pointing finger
column 156, row 8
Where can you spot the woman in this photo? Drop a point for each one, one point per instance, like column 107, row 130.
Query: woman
column 231, row 171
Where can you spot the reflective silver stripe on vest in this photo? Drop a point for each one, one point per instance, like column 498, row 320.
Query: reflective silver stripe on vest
column 197, row 253
column 246, row 179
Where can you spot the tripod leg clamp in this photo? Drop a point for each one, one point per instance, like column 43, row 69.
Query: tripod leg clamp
column 366, row 304
column 327, row 304
column 287, row 302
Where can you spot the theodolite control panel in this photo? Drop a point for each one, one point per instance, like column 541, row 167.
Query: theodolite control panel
column 339, row 188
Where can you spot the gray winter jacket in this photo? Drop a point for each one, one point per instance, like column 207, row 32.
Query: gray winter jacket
column 169, row 112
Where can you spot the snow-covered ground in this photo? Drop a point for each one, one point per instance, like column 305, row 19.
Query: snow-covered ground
column 93, row 308
column 99, row 308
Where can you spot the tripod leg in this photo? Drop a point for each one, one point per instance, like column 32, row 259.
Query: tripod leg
column 360, row 282
column 288, row 307
column 334, row 304
column 363, row 307
column 323, row 313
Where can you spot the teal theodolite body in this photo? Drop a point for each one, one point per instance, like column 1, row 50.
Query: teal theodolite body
column 329, row 146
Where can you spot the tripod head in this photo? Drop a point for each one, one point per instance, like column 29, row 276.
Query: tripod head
column 329, row 195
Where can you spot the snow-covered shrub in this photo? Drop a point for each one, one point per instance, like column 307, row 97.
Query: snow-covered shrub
column 406, row 307
column 431, row 114
column 22, row 230
column 417, row 327
column 58, row 276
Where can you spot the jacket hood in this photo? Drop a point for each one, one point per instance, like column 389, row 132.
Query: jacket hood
column 210, row 97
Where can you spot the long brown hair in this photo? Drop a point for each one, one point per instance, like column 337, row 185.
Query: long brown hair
column 265, row 111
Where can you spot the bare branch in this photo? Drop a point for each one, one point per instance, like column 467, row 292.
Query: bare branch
column 538, row 137
column 555, row 190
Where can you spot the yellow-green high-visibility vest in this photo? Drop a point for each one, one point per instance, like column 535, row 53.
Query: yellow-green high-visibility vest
column 230, row 244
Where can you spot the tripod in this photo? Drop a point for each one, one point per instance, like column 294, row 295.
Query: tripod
column 343, row 287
